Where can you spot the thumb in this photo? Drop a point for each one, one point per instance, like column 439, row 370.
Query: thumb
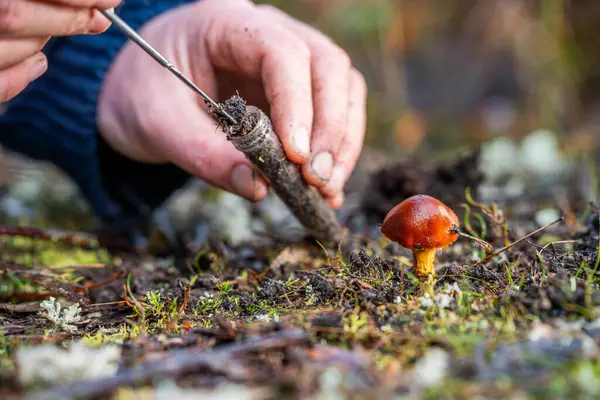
column 190, row 139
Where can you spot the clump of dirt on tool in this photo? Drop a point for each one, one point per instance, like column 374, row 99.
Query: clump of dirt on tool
column 236, row 107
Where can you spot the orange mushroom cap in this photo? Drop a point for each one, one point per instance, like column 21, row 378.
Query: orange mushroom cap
column 421, row 222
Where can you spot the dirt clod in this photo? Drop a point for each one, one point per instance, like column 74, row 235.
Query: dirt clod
column 235, row 106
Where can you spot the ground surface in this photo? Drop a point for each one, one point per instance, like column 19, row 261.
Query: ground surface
column 291, row 320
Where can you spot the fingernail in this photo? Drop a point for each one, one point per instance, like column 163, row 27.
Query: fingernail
column 336, row 183
column 245, row 183
column 38, row 69
column 302, row 141
column 322, row 165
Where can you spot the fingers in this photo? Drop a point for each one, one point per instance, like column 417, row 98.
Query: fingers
column 197, row 146
column 203, row 151
column 339, row 96
column 14, row 79
column 13, row 51
column 353, row 141
column 252, row 44
column 330, row 72
column 30, row 18
column 336, row 201
column 100, row 4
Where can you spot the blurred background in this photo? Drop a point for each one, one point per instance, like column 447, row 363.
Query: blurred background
column 446, row 74
column 519, row 79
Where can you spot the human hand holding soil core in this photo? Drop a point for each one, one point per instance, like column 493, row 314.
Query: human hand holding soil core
column 305, row 83
column 423, row 224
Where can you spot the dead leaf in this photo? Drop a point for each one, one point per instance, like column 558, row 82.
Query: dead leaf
column 299, row 254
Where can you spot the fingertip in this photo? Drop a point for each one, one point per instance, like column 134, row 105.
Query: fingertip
column 318, row 171
column 261, row 189
column 16, row 78
column 337, row 181
column 39, row 67
column 248, row 183
column 337, row 201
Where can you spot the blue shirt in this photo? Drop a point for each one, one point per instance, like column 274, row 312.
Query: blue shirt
column 54, row 119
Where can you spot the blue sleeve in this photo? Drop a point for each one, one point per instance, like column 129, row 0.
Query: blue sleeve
column 54, row 120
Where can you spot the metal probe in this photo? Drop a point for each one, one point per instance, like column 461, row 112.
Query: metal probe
column 134, row 36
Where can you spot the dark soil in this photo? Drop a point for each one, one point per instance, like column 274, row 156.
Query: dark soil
column 282, row 319
column 446, row 182
column 235, row 106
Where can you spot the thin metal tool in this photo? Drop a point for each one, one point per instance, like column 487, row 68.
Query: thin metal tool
column 134, row 36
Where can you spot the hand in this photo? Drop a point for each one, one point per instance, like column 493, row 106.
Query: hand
column 27, row 25
column 300, row 78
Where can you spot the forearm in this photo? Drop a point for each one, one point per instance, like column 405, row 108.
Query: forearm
column 54, row 120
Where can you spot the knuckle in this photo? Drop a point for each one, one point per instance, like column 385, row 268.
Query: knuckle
column 341, row 57
column 333, row 126
column 299, row 48
column 287, row 42
column 270, row 9
column 334, row 54
column 359, row 82
column 199, row 162
column 10, row 16
column 341, row 62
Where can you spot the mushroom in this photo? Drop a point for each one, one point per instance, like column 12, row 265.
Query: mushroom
column 422, row 224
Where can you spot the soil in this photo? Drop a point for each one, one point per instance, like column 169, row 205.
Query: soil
column 235, row 106
column 446, row 182
column 296, row 321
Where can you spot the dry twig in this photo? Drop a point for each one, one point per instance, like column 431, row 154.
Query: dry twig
column 503, row 249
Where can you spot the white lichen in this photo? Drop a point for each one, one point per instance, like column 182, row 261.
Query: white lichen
column 331, row 383
column 169, row 389
column 432, row 368
column 448, row 296
column 62, row 318
column 445, row 298
column 426, row 301
column 52, row 365
column 587, row 380
column 499, row 158
column 263, row 318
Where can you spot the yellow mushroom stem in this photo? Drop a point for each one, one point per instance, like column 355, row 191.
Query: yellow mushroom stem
column 424, row 259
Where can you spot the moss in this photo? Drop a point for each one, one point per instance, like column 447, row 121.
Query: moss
column 102, row 337
column 6, row 364
column 62, row 257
